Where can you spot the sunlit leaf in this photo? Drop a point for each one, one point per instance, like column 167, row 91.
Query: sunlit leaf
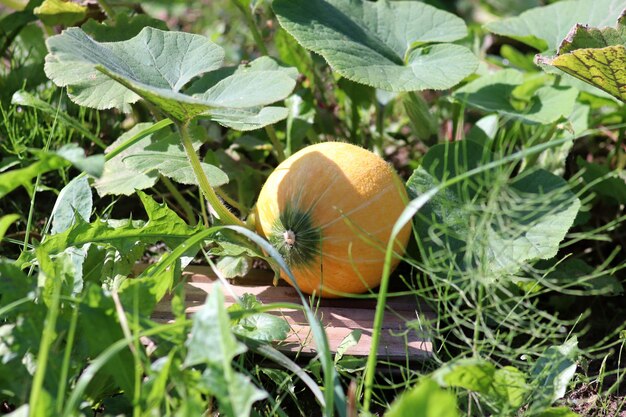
column 162, row 225
column 596, row 56
column 397, row 46
column 545, row 27
column 425, row 399
column 263, row 327
column 155, row 65
column 60, row 12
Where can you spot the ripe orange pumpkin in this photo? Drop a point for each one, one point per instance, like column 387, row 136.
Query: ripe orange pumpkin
column 329, row 210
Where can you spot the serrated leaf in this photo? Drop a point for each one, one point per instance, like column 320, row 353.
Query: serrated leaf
column 492, row 93
column 212, row 341
column 173, row 166
column 527, row 219
column 155, row 65
column 425, row 399
column 249, row 119
column 60, row 12
column 117, row 178
column 396, row 46
column 162, row 225
column 545, row 27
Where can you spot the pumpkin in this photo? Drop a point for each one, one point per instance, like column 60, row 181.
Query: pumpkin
column 329, row 210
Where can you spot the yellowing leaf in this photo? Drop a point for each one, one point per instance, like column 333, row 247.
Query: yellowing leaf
column 604, row 68
column 59, row 12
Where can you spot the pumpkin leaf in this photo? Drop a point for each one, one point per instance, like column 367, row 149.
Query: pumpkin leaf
column 138, row 166
column 60, row 12
column 155, row 65
column 492, row 93
column 530, row 214
column 396, row 46
column 545, row 27
column 596, row 56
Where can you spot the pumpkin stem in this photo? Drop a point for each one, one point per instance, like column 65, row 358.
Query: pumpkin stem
column 290, row 238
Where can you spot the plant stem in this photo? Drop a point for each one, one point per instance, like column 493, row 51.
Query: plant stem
column 247, row 14
column 224, row 215
column 104, row 4
column 278, row 147
column 370, row 367
column 44, row 347
column 67, row 357
column 184, row 205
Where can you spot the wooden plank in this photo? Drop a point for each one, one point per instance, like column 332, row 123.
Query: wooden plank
column 338, row 316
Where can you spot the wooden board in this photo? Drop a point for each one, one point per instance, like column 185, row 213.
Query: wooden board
column 338, row 316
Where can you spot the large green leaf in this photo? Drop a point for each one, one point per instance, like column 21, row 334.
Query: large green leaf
column 158, row 61
column 545, row 27
column 490, row 222
column 155, row 65
column 494, row 92
column 596, row 56
column 397, row 46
